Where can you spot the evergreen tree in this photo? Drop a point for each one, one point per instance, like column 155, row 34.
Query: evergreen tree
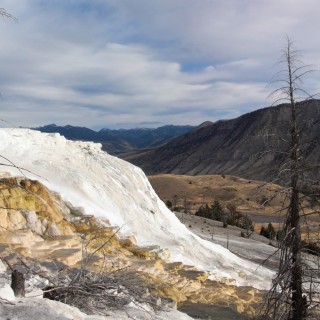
column 217, row 212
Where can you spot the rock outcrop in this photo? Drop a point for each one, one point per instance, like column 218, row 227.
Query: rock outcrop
column 27, row 204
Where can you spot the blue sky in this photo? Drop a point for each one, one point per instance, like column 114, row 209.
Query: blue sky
column 132, row 63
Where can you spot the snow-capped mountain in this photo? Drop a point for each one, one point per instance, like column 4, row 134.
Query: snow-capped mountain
column 113, row 189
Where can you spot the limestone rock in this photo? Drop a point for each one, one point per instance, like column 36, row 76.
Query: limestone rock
column 6, row 292
column 34, row 224
column 52, row 230
column 172, row 293
column 2, row 267
column 27, row 204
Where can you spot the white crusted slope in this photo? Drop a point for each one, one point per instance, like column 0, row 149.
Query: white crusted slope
column 114, row 189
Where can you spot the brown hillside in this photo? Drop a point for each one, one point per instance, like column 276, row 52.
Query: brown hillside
column 250, row 196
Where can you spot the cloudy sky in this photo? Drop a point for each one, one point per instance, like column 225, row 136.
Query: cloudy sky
column 146, row 63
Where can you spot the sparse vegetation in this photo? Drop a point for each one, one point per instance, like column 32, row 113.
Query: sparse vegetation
column 6, row 15
column 169, row 204
column 311, row 247
column 268, row 232
column 233, row 217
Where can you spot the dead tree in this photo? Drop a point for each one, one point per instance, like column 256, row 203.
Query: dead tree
column 18, row 283
column 6, row 15
column 292, row 294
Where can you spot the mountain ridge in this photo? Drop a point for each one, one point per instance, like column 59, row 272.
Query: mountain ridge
column 236, row 147
column 120, row 140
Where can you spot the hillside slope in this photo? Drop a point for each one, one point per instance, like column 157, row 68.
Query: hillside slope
column 239, row 147
column 113, row 189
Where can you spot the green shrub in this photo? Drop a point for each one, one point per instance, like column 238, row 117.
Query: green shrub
column 169, row 204
column 268, row 232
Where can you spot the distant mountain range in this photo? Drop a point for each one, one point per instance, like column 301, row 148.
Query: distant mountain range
column 244, row 146
column 122, row 140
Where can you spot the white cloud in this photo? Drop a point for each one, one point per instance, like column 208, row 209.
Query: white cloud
column 101, row 63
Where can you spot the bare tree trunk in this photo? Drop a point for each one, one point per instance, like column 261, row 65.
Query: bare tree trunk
column 298, row 303
column 17, row 283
